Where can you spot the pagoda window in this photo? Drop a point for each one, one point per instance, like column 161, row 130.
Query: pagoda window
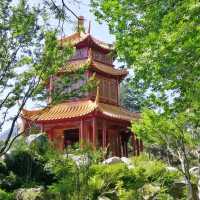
column 113, row 90
column 108, row 89
column 104, row 58
column 81, row 53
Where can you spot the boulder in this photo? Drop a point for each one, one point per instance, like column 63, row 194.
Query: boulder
column 78, row 159
column 177, row 188
column 150, row 190
column 116, row 159
column 171, row 169
column 127, row 161
column 112, row 160
column 194, row 171
column 29, row 194
column 103, row 198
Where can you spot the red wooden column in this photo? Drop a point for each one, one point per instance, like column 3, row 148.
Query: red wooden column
column 104, row 132
column 81, row 132
column 141, row 146
column 118, row 145
column 126, row 149
column 123, row 145
column 137, row 147
column 94, row 132
column 49, row 134
column 133, row 144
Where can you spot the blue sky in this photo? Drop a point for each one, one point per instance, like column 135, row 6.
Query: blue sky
column 100, row 31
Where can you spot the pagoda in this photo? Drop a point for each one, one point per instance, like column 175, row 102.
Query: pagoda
column 96, row 118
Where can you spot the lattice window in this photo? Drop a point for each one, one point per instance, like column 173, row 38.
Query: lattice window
column 108, row 89
column 105, row 58
column 113, row 90
column 80, row 53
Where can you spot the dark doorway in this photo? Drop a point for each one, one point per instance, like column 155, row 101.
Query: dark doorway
column 71, row 136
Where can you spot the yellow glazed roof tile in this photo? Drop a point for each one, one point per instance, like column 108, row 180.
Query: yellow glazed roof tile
column 78, row 64
column 108, row 69
column 73, row 66
column 79, row 37
column 69, row 110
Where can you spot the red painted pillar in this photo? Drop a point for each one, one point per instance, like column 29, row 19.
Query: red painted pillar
column 126, row 147
column 141, row 146
column 133, row 144
column 87, row 133
column 119, row 144
column 104, row 132
column 49, row 134
column 123, row 146
column 137, row 147
column 94, row 132
column 81, row 132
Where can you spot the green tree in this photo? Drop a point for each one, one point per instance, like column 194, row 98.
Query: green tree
column 175, row 135
column 159, row 41
column 29, row 55
column 131, row 98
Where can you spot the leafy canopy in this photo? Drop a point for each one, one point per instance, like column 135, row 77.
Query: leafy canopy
column 159, row 40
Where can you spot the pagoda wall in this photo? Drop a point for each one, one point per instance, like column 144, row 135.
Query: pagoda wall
column 99, row 132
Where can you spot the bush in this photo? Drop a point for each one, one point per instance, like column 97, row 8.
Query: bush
column 63, row 178
column 5, row 196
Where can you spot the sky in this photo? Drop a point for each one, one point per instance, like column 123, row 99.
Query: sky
column 100, row 31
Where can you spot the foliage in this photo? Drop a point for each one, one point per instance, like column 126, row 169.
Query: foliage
column 31, row 56
column 174, row 134
column 5, row 196
column 118, row 182
column 65, row 179
column 131, row 98
column 159, row 41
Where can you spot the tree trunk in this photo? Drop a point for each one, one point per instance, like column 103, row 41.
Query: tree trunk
column 198, row 184
column 185, row 168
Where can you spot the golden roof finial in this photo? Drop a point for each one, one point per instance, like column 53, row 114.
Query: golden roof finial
column 97, row 95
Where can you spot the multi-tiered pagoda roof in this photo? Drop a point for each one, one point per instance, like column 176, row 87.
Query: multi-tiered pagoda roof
column 98, row 118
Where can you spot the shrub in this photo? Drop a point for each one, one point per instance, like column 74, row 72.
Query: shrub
column 5, row 196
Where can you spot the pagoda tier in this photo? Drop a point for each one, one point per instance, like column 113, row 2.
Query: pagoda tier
column 97, row 118
column 94, row 66
column 82, row 39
